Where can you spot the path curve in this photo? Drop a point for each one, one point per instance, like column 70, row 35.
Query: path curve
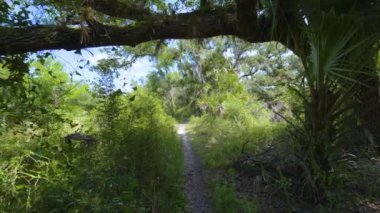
column 198, row 201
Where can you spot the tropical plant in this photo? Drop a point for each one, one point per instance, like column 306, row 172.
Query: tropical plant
column 333, row 83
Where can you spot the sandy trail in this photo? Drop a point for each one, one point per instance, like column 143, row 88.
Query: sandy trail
column 197, row 199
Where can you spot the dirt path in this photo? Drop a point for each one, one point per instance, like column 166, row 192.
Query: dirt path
column 198, row 201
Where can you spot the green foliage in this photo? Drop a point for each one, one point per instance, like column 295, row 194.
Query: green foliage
column 224, row 138
column 331, row 93
column 142, row 141
column 190, row 71
column 34, row 121
column 172, row 89
column 45, row 99
column 232, row 120
column 227, row 200
column 135, row 165
column 228, row 121
column 333, row 97
column 233, row 123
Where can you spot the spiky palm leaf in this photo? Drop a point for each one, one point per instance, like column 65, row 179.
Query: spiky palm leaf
column 333, row 42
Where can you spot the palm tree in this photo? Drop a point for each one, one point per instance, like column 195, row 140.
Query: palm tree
column 336, row 45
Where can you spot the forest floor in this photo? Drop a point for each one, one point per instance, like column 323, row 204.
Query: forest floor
column 197, row 198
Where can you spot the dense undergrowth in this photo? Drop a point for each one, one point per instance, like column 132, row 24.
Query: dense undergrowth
column 238, row 131
column 252, row 167
column 273, row 135
column 222, row 140
column 255, row 161
column 133, row 165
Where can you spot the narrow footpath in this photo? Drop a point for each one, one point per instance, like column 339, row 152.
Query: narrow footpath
column 197, row 199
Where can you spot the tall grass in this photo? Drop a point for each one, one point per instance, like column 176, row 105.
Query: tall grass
column 244, row 126
column 134, row 167
column 221, row 139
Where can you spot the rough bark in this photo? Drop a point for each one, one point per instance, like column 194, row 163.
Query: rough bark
column 241, row 22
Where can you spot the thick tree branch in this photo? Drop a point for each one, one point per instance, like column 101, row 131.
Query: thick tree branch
column 246, row 16
column 181, row 26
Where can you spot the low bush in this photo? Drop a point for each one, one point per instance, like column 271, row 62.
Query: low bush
column 134, row 166
column 244, row 127
column 227, row 200
column 241, row 129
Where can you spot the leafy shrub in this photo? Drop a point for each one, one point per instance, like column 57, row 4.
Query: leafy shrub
column 143, row 142
column 234, row 124
column 135, row 165
column 243, row 124
column 227, row 200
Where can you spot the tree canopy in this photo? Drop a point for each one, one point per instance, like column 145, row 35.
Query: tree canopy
column 288, row 93
column 29, row 26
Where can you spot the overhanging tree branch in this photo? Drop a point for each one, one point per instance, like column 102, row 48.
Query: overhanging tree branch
column 181, row 26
